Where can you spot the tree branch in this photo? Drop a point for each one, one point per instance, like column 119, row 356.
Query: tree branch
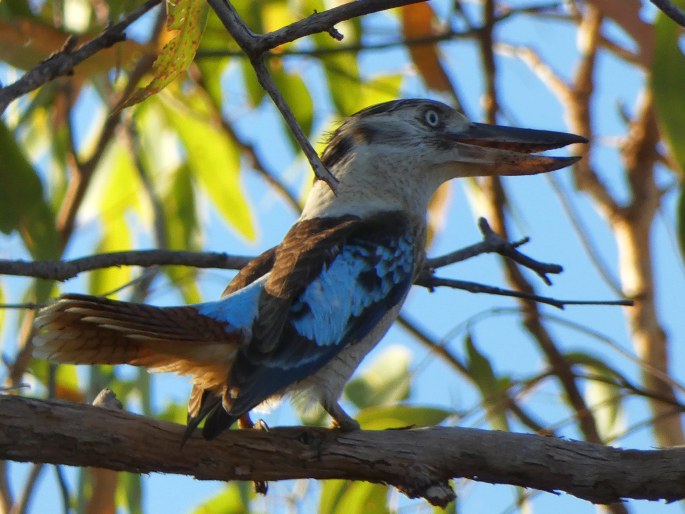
column 417, row 461
column 64, row 270
column 256, row 46
column 671, row 10
column 492, row 243
column 63, row 62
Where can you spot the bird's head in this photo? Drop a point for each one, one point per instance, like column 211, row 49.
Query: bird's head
column 394, row 155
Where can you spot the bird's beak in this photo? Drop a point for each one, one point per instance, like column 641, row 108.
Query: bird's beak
column 497, row 150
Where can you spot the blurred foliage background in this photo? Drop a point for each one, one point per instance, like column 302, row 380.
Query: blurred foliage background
column 186, row 151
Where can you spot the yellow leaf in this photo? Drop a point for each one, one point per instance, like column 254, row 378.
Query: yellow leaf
column 185, row 23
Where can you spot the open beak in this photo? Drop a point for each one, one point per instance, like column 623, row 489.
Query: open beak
column 497, row 150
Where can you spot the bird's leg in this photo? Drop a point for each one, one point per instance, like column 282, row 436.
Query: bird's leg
column 341, row 419
column 245, row 422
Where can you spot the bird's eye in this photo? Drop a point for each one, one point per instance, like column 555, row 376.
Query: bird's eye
column 431, row 118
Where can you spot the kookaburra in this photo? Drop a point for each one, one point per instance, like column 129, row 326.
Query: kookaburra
column 299, row 318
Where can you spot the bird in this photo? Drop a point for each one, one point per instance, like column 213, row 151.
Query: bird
column 298, row 319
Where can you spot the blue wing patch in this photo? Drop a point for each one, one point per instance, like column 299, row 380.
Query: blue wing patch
column 239, row 310
column 360, row 276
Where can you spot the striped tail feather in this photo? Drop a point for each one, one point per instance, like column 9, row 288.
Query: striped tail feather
column 82, row 329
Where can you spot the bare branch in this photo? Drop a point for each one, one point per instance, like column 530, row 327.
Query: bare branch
column 64, row 270
column 63, row 62
column 256, row 46
column 670, row 10
column 493, row 243
column 419, row 461
column 431, row 282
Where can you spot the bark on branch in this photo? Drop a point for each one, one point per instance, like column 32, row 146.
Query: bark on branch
column 417, row 461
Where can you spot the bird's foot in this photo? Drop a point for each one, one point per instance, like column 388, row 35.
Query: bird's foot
column 341, row 419
column 261, row 425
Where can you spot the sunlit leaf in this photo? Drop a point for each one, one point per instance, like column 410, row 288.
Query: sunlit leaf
column 211, row 71
column 418, row 21
column 276, row 14
column 185, row 23
column 342, row 497
column 214, row 161
column 341, row 69
column 183, row 229
column 130, row 492
column 490, row 387
column 399, row 416
column 668, row 77
column 296, row 95
column 255, row 91
column 113, row 195
column 604, row 394
column 234, row 499
column 174, row 413
column 22, row 205
column 384, row 382
column 382, row 88
column 680, row 220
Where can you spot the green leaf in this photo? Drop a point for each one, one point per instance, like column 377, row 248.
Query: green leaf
column 130, row 492
column 211, row 71
column 22, row 205
column 604, row 395
column 212, row 157
column 386, row 381
column 234, row 499
column 680, row 219
column 343, row 497
column 296, row 95
column 113, row 195
column 667, row 82
column 182, row 229
column 174, row 413
column 490, row 387
column 255, row 91
column 399, row 416
column 341, row 69
column 185, row 21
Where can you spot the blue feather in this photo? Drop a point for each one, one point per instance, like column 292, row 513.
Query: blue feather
column 328, row 305
column 238, row 310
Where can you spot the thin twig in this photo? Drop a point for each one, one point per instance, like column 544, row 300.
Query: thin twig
column 431, row 282
column 493, row 243
column 63, row 62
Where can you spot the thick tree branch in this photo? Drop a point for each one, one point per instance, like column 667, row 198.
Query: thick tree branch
column 417, row 461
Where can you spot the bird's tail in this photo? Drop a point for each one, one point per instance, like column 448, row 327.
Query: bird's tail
column 81, row 329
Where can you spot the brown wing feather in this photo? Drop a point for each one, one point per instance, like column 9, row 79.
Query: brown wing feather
column 82, row 329
column 307, row 247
